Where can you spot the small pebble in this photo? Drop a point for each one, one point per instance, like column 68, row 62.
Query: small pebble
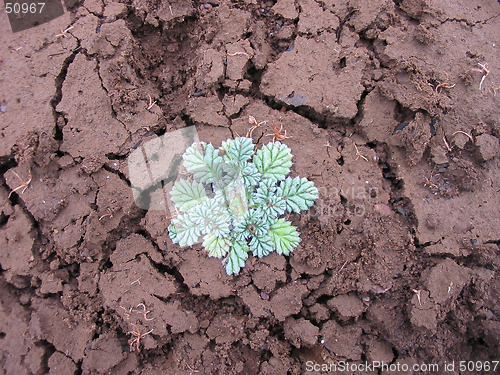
column 309, row 302
column 383, row 209
column 3, row 107
column 378, row 289
column 366, row 299
column 264, row 296
column 463, row 226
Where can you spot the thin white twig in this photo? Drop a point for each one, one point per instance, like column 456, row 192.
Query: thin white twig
column 151, row 103
column 485, row 74
column 238, row 53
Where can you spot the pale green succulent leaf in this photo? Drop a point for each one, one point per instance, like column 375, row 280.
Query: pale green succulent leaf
column 265, row 190
column 284, row 236
column 172, row 232
column 217, row 247
column 239, row 149
column 235, row 260
column 273, row 161
column 251, row 176
column 184, row 231
column 186, row 194
column 234, row 171
column 273, row 207
column 270, row 204
column 261, row 246
column 299, row 193
column 204, row 162
column 253, row 225
column 212, row 217
column 231, row 171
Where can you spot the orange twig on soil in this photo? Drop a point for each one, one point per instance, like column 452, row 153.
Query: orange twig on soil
column 191, row 370
column 277, row 132
column 358, row 153
column 64, row 32
column 446, row 144
column 127, row 312
column 138, row 281
column 467, row 134
column 138, row 336
column 24, row 184
column 445, row 84
column 252, row 120
column 144, row 311
column 485, row 72
column 429, row 181
column 109, row 214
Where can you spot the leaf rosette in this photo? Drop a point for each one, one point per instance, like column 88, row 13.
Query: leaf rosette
column 233, row 200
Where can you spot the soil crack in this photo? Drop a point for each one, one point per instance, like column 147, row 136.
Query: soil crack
column 56, row 99
column 113, row 110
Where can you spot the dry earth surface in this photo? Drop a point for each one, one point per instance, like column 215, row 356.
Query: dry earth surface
column 393, row 110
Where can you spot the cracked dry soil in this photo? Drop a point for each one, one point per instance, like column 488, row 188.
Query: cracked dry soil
column 392, row 110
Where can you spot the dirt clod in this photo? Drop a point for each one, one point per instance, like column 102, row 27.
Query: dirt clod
column 301, row 332
column 347, row 306
column 489, row 146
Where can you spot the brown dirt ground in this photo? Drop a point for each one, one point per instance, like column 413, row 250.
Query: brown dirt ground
column 383, row 100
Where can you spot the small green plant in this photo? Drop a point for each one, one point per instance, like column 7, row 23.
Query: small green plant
column 233, row 198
